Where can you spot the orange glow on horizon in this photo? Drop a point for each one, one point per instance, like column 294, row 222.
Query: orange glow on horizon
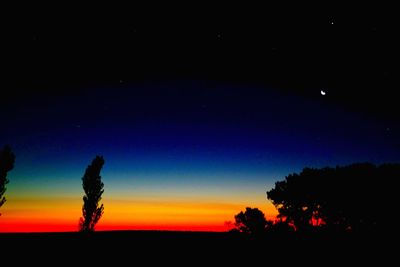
column 62, row 214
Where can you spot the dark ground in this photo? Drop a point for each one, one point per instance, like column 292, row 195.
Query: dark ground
column 143, row 248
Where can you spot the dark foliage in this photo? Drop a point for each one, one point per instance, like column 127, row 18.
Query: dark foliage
column 7, row 159
column 252, row 221
column 93, row 187
column 357, row 197
column 280, row 228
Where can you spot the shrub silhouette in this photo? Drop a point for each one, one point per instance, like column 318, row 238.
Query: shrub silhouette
column 356, row 197
column 7, row 159
column 252, row 221
column 93, row 187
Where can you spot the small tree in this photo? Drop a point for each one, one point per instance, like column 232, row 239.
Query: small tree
column 252, row 221
column 93, row 187
column 7, row 159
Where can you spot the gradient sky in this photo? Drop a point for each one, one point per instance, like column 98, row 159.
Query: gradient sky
column 179, row 155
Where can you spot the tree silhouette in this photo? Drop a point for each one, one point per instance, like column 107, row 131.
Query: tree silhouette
column 7, row 159
column 357, row 197
column 281, row 228
column 93, row 187
column 252, row 221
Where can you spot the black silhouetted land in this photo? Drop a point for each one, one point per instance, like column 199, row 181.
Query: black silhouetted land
column 93, row 187
column 147, row 248
column 7, row 159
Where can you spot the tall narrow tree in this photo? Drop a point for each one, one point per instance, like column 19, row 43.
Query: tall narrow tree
column 7, row 159
column 93, row 187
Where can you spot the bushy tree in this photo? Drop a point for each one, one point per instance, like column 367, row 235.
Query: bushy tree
column 7, row 159
column 252, row 221
column 93, row 187
column 355, row 197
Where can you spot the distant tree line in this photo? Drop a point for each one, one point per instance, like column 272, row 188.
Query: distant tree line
column 358, row 198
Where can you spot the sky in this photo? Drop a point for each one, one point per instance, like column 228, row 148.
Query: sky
column 184, row 155
column 195, row 117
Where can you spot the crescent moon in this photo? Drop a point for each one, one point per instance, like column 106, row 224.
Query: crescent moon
column 323, row 92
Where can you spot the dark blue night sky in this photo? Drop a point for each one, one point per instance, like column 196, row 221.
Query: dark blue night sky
column 189, row 125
